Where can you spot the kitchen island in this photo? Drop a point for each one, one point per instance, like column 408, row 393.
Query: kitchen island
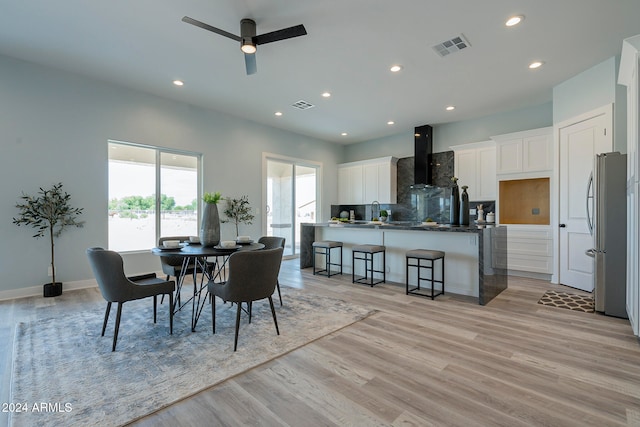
column 475, row 262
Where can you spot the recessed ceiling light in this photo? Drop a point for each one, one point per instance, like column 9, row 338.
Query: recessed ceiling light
column 178, row 82
column 278, row 113
column 326, row 94
column 450, row 108
column 536, row 64
column 395, row 68
column 391, row 122
column 344, row 134
column 514, row 20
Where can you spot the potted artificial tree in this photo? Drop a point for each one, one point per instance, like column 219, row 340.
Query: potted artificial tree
column 50, row 213
column 238, row 211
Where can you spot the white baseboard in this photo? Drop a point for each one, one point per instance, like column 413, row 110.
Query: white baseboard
column 529, row 275
column 34, row 291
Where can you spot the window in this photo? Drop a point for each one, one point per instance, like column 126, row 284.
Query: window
column 144, row 180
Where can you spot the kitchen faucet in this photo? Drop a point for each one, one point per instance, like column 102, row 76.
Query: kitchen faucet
column 375, row 210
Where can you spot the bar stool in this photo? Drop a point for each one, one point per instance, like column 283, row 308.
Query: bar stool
column 366, row 253
column 429, row 256
column 324, row 248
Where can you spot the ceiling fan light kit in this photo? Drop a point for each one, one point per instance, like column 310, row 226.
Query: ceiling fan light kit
column 248, row 38
column 248, row 47
column 248, row 32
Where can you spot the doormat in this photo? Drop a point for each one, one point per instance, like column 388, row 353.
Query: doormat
column 570, row 301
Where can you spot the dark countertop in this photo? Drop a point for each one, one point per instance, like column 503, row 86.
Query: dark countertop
column 412, row 226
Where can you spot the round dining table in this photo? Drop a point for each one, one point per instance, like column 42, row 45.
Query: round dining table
column 196, row 254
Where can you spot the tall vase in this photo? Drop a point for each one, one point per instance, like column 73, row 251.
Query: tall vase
column 454, row 206
column 464, row 206
column 210, row 227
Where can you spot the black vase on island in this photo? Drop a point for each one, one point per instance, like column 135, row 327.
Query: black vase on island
column 454, row 205
column 464, row 206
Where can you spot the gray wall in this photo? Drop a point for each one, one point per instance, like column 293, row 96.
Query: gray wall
column 482, row 129
column 592, row 89
column 455, row 133
column 55, row 126
column 584, row 92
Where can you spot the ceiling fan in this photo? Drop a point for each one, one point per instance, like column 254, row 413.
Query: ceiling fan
column 248, row 38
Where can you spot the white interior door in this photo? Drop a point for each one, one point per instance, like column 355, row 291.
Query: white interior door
column 579, row 142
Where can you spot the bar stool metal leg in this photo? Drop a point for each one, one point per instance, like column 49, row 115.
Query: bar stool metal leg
column 324, row 249
column 367, row 254
column 420, row 257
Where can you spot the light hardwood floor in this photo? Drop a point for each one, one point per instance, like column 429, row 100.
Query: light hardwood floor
column 415, row 362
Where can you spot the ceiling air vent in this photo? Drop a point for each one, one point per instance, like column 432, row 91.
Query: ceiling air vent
column 451, row 46
column 302, row 105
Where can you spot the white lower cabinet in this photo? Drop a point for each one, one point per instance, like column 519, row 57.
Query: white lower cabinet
column 529, row 249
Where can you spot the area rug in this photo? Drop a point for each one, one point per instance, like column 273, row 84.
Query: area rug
column 570, row 301
column 64, row 372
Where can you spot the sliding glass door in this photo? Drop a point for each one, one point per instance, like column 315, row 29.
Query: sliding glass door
column 291, row 199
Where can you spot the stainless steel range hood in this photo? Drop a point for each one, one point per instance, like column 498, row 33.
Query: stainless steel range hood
column 423, row 151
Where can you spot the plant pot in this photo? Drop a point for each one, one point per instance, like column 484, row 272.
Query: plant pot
column 52, row 289
column 210, row 226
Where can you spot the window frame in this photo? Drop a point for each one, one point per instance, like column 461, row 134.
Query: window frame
column 158, row 151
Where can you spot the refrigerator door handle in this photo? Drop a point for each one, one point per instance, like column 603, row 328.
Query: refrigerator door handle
column 588, row 198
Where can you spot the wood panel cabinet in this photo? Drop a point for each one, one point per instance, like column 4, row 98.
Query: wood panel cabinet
column 475, row 167
column 524, row 152
column 364, row 181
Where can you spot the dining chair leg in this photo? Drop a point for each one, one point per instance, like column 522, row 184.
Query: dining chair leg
column 250, row 306
column 170, row 313
column 279, row 294
column 162, row 298
column 106, row 317
column 155, row 307
column 115, row 333
column 213, row 313
column 273, row 311
column 235, row 343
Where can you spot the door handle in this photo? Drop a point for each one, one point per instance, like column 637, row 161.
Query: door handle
column 562, row 225
column 590, row 252
column 590, row 195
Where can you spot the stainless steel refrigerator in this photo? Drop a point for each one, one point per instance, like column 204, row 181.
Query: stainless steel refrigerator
column 607, row 220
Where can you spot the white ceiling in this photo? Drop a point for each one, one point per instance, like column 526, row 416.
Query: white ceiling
column 351, row 44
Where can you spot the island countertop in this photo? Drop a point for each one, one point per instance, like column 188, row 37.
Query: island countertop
column 407, row 225
column 475, row 254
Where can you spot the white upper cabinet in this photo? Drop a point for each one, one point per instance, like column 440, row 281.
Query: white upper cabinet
column 369, row 180
column 350, row 185
column 525, row 152
column 475, row 167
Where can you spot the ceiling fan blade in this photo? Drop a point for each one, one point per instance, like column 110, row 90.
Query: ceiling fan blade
column 210, row 28
column 250, row 63
column 285, row 33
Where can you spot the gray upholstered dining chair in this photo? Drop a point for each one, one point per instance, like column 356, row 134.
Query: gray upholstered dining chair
column 272, row 242
column 252, row 277
column 172, row 265
column 108, row 269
